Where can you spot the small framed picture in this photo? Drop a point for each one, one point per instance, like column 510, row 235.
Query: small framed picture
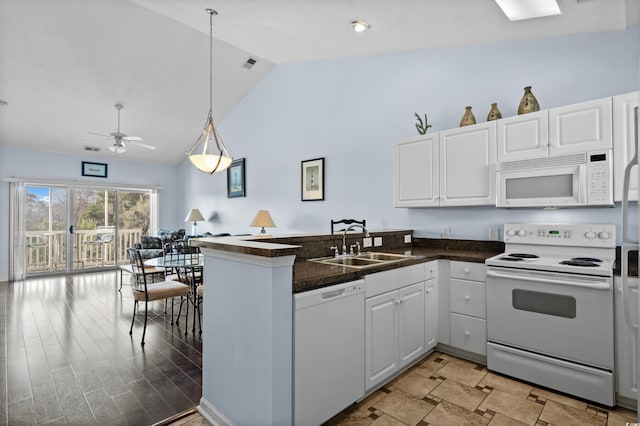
column 313, row 180
column 236, row 186
column 94, row 169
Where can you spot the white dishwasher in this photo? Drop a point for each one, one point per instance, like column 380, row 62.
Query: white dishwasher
column 328, row 364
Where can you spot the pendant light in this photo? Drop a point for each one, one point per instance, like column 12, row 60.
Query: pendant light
column 208, row 153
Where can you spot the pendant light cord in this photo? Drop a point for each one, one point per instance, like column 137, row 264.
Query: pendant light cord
column 211, row 13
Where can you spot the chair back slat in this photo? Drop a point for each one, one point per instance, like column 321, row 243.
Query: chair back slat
column 347, row 222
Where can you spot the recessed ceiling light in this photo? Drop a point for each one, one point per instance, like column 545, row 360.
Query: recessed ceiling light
column 360, row 25
column 517, row 10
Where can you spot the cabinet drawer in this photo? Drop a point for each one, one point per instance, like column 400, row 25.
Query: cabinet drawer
column 469, row 333
column 468, row 298
column 468, row 271
column 394, row 279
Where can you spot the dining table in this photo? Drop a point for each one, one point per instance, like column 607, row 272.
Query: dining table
column 178, row 261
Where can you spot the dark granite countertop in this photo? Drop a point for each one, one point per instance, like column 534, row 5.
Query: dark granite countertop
column 309, row 275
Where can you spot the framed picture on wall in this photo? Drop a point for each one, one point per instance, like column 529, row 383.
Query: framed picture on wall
column 94, row 169
column 236, row 186
column 312, row 180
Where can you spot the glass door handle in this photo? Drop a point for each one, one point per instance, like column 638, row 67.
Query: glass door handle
column 71, row 229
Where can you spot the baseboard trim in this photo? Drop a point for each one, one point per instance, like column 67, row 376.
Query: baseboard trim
column 212, row 414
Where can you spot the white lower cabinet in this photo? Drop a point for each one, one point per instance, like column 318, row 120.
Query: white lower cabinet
column 468, row 307
column 394, row 332
column 431, row 311
column 398, row 314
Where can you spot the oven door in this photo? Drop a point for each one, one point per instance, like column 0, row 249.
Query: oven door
column 566, row 316
column 547, row 187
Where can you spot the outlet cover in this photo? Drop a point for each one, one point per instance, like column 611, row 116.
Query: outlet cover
column 366, row 242
column 407, row 239
column 377, row 241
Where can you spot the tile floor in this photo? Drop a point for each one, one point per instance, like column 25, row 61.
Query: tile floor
column 445, row 390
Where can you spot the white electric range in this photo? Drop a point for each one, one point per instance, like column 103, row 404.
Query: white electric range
column 550, row 308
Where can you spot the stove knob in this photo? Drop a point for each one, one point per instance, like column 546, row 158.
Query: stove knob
column 604, row 235
column 590, row 235
column 511, row 232
column 521, row 233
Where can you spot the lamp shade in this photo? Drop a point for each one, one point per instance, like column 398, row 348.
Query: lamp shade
column 194, row 216
column 263, row 219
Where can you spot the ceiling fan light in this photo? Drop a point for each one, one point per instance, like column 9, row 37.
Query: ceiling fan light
column 517, row 10
column 118, row 149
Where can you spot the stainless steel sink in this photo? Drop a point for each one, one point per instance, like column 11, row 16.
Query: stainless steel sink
column 350, row 261
column 363, row 260
column 381, row 256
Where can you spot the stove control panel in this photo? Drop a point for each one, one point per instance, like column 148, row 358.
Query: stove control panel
column 561, row 234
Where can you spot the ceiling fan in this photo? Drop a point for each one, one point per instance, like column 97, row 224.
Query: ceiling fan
column 119, row 138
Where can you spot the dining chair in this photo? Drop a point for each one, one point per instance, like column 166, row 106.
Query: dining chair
column 362, row 222
column 191, row 274
column 145, row 290
column 200, row 296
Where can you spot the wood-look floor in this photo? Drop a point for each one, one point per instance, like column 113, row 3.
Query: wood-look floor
column 66, row 356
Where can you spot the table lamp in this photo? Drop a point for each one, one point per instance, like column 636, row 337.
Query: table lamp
column 263, row 219
column 194, row 216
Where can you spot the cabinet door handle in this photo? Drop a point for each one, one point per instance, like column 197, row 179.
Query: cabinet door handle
column 466, row 270
column 467, row 333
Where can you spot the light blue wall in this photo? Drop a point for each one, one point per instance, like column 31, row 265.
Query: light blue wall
column 352, row 111
column 21, row 163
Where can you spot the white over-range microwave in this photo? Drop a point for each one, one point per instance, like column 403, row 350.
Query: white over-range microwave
column 574, row 180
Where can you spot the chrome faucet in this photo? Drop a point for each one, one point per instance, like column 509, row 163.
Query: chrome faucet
column 344, row 238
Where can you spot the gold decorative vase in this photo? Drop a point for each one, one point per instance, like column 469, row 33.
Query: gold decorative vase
column 494, row 112
column 468, row 118
column 528, row 103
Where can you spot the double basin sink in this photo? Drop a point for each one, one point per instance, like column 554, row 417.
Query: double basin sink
column 363, row 260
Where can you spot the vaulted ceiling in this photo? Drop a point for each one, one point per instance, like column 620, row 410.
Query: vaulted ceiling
column 65, row 63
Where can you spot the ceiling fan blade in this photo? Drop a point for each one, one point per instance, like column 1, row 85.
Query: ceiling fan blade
column 131, row 138
column 100, row 134
column 143, row 145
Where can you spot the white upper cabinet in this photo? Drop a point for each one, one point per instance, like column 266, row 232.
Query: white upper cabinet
column 451, row 168
column 624, row 143
column 416, row 172
column 581, row 127
column 467, row 165
column 523, row 136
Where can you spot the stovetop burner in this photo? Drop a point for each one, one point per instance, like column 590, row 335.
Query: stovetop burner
column 523, row 255
column 511, row 259
column 577, row 262
column 587, row 259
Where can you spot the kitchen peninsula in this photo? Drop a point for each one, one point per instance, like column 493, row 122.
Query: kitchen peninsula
column 248, row 304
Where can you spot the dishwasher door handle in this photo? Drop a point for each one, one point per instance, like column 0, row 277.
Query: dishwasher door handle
column 333, row 294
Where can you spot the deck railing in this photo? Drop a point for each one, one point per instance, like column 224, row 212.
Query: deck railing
column 46, row 251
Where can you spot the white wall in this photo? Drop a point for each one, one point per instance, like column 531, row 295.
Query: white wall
column 352, row 111
column 21, row 163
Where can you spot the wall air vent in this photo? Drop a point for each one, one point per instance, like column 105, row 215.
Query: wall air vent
column 249, row 63
column 91, row 148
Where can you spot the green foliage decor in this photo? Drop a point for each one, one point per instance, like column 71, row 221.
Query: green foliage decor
column 422, row 126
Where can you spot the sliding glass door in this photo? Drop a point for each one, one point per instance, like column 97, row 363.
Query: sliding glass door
column 45, row 226
column 72, row 228
column 93, row 233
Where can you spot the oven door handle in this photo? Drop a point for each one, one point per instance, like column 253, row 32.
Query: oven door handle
column 597, row 285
